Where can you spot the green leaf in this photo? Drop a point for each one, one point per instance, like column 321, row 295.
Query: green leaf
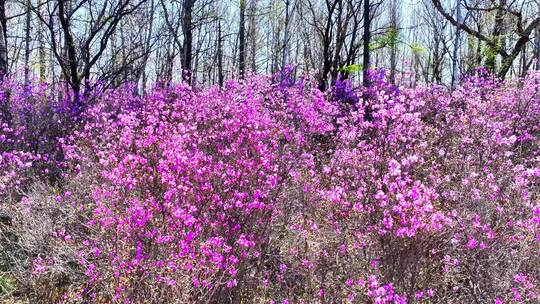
column 390, row 39
column 351, row 69
column 7, row 285
column 417, row 48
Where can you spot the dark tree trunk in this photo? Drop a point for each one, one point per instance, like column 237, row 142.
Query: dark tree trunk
column 187, row 47
column 220, row 55
column 524, row 65
column 253, row 36
column 285, row 35
column 3, row 40
column 327, row 53
column 147, row 48
column 393, row 46
column 368, row 115
column 27, row 43
column 437, row 59
column 496, row 33
column 366, row 40
column 41, row 51
column 71, row 69
column 457, row 42
column 537, row 48
column 242, row 40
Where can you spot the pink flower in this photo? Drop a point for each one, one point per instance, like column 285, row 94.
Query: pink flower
column 472, row 243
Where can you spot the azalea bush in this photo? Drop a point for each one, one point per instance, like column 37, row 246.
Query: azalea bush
column 270, row 191
column 32, row 120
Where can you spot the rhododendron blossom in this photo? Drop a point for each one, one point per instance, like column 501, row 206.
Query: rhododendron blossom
column 271, row 191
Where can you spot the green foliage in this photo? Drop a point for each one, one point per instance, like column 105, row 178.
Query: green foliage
column 7, row 285
column 352, row 68
column 389, row 39
column 490, row 52
column 417, row 48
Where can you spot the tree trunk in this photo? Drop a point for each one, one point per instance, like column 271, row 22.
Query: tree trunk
column 457, row 42
column 366, row 39
column 437, row 59
column 253, row 36
column 220, row 55
column 70, row 67
column 27, row 43
column 537, row 49
column 497, row 31
column 393, row 46
column 147, row 47
column 241, row 40
column 41, row 50
column 3, row 40
column 124, row 60
column 326, row 41
column 479, row 52
column 285, row 35
column 341, row 32
column 187, row 46
column 524, row 65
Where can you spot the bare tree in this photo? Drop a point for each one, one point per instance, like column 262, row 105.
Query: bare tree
column 147, row 47
column 28, row 19
column 537, row 49
column 41, row 50
column 457, row 43
column 286, row 35
column 242, row 40
column 366, row 37
column 502, row 9
column 537, row 41
column 336, row 24
column 3, row 40
column 81, row 53
column 393, row 42
column 220, row 55
column 187, row 47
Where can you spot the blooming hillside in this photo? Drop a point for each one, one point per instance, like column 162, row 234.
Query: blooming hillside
column 270, row 191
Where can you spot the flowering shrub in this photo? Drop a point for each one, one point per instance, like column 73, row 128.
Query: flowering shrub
column 190, row 182
column 270, row 191
column 32, row 119
column 424, row 190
